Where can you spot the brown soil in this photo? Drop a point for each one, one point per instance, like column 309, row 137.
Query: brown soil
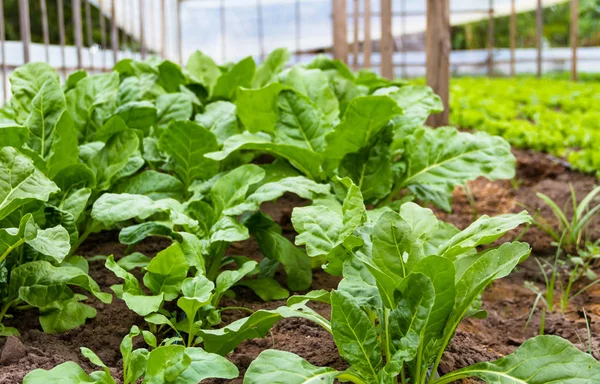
column 507, row 301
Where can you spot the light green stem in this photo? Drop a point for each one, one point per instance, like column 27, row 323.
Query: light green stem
column 11, row 248
column 350, row 377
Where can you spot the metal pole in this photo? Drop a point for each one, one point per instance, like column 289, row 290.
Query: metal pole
column 114, row 34
column 25, row 28
column 61, row 35
column 513, row 36
column 539, row 31
column 88, row 30
column 491, row 40
column 574, row 33
column 367, row 32
column 142, row 30
column 45, row 29
column 77, row 30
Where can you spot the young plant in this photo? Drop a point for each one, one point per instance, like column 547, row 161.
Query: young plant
column 165, row 363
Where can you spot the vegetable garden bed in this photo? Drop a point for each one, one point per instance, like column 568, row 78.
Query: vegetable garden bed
column 207, row 199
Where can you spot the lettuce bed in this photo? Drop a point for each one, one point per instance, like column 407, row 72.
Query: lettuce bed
column 554, row 116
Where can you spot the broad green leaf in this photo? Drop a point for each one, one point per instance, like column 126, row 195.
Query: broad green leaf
column 268, row 70
column 171, row 76
column 320, row 295
column 134, row 260
column 203, row 70
column 142, row 304
column 26, row 81
column 111, row 127
column 63, row 315
column 113, row 157
column 63, row 150
column 229, row 278
column 140, row 115
column 364, row 119
column 258, row 108
column 173, row 107
column 131, row 285
column 304, row 160
column 197, row 292
column 12, row 135
column 228, row 229
column 266, row 288
column 540, row 360
column 439, row 159
column 300, row 123
column 166, row 272
column 240, row 75
column 355, row 336
column 187, row 143
column 314, row 84
column 65, row 373
column 318, row 228
column 46, row 109
column 220, row 118
column 74, row 78
column 417, row 101
column 21, row 182
column 485, row 230
column 206, row 365
column 279, row 367
column 91, row 102
column 137, row 87
column 155, row 185
column 230, row 189
column 275, row 246
column 53, row 242
column 136, row 233
column 166, row 364
column 113, row 208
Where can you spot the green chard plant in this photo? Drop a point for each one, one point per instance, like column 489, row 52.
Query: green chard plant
column 165, row 363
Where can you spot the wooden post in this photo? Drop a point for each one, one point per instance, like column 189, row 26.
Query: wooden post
column 61, row 36
column 574, row 34
column 114, row 34
column 179, row 37
column 163, row 29
column 45, row 33
column 355, row 35
column 77, row 30
column 223, row 36
column 142, row 30
column 367, row 43
column 491, row 40
column 340, row 30
column 539, row 24
column 387, row 40
column 88, row 30
column 437, row 42
column 403, row 39
column 513, row 36
column 25, row 28
column 3, row 51
column 259, row 28
column 298, row 30
column 103, row 35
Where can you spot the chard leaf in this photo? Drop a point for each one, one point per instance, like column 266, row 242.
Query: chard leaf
column 155, row 185
column 240, row 75
column 229, row 278
column 439, row 159
column 230, row 189
column 206, row 365
column 136, row 233
column 166, row 364
column 364, row 119
column 275, row 246
column 355, row 336
column 314, row 84
column 268, row 70
column 417, row 101
column 166, row 272
column 542, row 359
column 63, row 147
column 142, row 304
column 173, row 107
column 65, row 373
column 279, row 367
column 220, row 118
column 266, row 288
column 13, row 135
column 63, row 315
column 21, row 182
column 257, row 108
column 26, row 81
column 187, row 143
column 113, row 157
column 197, row 292
column 139, row 115
column 304, row 160
column 484, row 230
column 53, row 242
column 203, row 70
column 318, row 228
column 300, row 123
column 114, row 208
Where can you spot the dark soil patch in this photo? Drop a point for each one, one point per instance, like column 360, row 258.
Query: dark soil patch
column 507, row 301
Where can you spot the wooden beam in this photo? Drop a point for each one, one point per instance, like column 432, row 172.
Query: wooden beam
column 88, row 30
column 163, row 29
column 3, row 52
column 297, row 23
column 574, row 34
column 437, row 43
column 179, row 34
column 355, row 15
column 61, row 35
column 223, row 30
column 387, row 40
column 25, row 28
column 102, row 34
column 367, row 45
column 513, row 36
column 45, row 32
column 142, row 30
column 539, row 27
column 77, row 30
column 340, row 30
column 114, row 33
column 404, row 67
column 490, row 42
column 259, row 28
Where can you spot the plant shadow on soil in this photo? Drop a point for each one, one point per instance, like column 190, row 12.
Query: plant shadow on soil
column 507, row 301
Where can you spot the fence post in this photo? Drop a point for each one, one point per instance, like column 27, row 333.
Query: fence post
column 513, row 36
column 179, row 37
column 114, row 34
column 437, row 44
column 25, row 28
column 3, row 51
column 45, row 33
column 355, row 35
column 340, row 30
column 88, row 30
column 142, row 31
column 77, row 30
column 297, row 29
column 491, row 40
column 367, row 33
column 61, row 36
column 102, row 34
column 539, row 25
column 574, row 33
column 387, row 40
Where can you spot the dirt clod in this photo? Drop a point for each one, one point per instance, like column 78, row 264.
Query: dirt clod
column 13, row 351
